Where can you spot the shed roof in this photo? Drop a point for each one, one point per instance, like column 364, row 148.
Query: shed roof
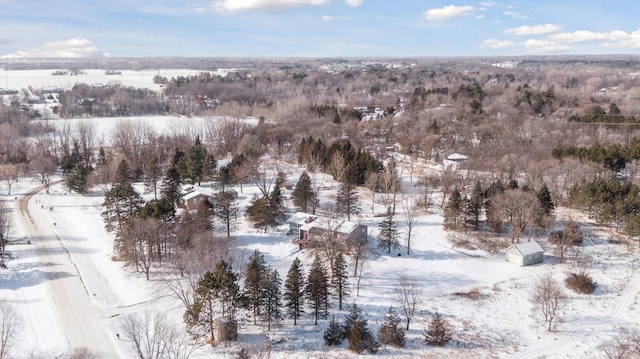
column 528, row 248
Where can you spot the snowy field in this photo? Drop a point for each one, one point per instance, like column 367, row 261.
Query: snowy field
column 500, row 322
column 37, row 79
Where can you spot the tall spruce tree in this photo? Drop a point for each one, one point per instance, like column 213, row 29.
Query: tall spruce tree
column 474, row 206
column 121, row 202
column 294, row 290
column 171, row 185
column 303, row 195
column 272, row 298
column 254, row 283
column 226, row 209
column 317, row 289
column 347, row 199
column 77, row 178
column 217, row 295
column 340, row 279
column 453, row 209
column 356, row 331
column 195, row 163
column 389, row 236
column 544, row 197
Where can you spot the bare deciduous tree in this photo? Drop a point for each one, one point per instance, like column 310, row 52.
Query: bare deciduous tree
column 411, row 218
column 517, row 208
column 408, row 293
column 10, row 324
column 152, row 336
column 548, row 297
column 5, row 226
column 45, row 167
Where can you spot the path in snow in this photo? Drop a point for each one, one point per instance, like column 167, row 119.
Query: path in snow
column 83, row 322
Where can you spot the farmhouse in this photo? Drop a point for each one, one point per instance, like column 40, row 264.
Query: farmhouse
column 311, row 230
column 524, row 254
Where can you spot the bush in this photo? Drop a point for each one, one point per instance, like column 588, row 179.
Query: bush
column 333, row 334
column 581, row 283
column 439, row 331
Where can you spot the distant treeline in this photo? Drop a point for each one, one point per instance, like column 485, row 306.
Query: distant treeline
column 597, row 114
column 612, row 157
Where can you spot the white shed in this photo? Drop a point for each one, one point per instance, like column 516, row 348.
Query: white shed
column 524, row 254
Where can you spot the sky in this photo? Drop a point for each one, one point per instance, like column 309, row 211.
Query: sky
column 316, row 28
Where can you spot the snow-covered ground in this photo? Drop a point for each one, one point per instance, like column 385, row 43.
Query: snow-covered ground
column 38, row 79
column 500, row 323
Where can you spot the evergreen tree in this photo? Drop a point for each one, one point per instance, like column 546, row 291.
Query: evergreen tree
column 474, row 205
column 303, row 195
column 226, row 209
column 171, row 186
column 217, row 295
column 317, row 289
column 273, row 298
column 347, row 199
column 152, row 175
column 121, row 202
column 69, row 161
column 357, row 332
column 340, row 279
column 453, row 210
column 259, row 213
column 439, row 331
column 267, row 211
column 294, row 290
column 254, row 282
column 389, row 236
column 333, row 334
column 544, row 197
column 391, row 332
column 211, row 169
column 76, row 178
column 276, row 205
column 195, row 163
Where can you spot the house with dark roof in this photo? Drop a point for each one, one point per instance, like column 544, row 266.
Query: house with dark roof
column 310, row 230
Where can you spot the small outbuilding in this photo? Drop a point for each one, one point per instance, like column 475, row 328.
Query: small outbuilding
column 525, row 254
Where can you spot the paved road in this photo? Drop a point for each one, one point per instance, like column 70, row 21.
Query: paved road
column 83, row 321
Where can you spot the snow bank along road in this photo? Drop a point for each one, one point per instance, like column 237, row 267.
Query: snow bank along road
column 83, row 321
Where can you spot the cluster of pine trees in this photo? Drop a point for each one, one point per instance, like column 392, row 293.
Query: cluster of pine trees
column 598, row 114
column 359, row 164
column 612, row 157
column 611, row 202
column 219, row 293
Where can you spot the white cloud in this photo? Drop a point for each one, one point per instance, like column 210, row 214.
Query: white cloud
column 498, row 44
column 516, row 15
column 545, row 46
column 616, row 38
column 535, row 30
column 334, row 18
column 625, row 39
column 77, row 47
column 354, row 3
column 448, row 12
column 265, row 5
column 579, row 36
